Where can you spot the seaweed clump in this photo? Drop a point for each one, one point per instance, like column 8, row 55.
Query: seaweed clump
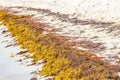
column 61, row 61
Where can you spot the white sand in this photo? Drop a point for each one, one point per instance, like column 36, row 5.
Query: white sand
column 100, row 10
column 106, row 10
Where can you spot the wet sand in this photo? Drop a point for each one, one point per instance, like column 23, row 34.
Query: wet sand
column 9, row 68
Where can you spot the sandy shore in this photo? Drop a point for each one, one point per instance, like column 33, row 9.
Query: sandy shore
column 98, row 37
column 93, row 26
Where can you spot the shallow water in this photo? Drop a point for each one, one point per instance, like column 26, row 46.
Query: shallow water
column 9, row 68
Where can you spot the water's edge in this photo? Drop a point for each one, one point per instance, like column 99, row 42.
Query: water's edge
column 9, row 68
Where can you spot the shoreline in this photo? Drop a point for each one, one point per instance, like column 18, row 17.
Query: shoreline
column 47, row 45
column 10, row 69
column 96, row 37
